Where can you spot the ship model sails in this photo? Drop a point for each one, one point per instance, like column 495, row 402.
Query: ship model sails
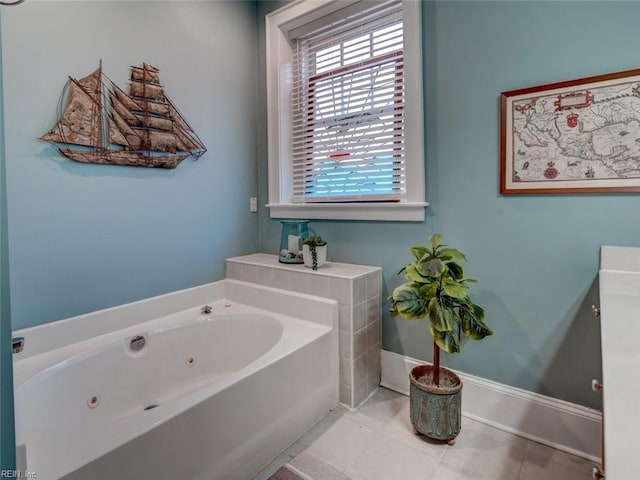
column 102, row 124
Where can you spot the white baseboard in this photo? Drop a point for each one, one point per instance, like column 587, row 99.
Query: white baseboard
column 566, row 426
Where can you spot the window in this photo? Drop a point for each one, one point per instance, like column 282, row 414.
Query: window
column 345, row 110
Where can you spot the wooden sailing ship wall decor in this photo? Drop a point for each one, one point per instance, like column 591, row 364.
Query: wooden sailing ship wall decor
column 100, row 123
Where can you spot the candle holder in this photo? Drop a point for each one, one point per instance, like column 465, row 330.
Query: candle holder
column 293, row 232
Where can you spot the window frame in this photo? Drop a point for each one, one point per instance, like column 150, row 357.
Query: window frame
column 279, row 55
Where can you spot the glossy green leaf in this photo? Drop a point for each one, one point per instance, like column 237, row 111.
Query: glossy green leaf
column 439, row 317
column 447, row 341
column 431, row 268
column 435, row 239
column 408, row 302
column 418, row 251
column 478, row 311
column 455, row 290
column 393, row 310
column 452, row 253
column 429, row 290
column 455, row 269
column 411, row 273
column 472, row 324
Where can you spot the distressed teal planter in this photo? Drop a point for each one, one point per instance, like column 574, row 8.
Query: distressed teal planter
column 435, row 410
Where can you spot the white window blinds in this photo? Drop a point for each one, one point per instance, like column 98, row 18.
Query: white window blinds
column 348, row 109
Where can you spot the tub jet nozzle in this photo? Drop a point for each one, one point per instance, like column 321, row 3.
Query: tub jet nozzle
column 137, row 342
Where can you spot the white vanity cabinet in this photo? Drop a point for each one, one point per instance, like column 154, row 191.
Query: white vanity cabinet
column 620, row 330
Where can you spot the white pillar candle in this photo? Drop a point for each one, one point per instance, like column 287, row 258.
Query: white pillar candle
column 292, row 241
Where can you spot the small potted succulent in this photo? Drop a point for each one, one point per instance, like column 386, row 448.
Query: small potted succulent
column 314, row 251
column 436, row 291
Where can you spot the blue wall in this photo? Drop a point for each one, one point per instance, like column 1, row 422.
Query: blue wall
column 84, row 237
column 7, row 434
column 536, row 257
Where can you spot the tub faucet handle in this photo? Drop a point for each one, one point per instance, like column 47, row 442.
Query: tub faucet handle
column 206, row 309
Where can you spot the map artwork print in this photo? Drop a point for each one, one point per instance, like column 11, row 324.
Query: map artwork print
column 581, row 136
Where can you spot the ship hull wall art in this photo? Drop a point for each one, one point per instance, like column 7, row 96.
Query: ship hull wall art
column 100, row 123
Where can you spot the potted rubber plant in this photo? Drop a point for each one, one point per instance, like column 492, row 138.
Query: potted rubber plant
column 314, row 251
column 437, row 291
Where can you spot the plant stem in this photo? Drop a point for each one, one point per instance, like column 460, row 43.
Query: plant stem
column 436, row 364
column 314, row 257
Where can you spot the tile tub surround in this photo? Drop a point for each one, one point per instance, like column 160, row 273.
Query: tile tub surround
column 358, row 290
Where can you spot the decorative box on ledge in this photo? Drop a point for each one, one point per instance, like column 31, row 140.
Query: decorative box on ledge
column 358, row 290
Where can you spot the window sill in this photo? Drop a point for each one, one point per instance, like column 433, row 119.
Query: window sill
column 393, row 212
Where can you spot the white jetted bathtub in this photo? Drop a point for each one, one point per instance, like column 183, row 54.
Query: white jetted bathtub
column 166, row 389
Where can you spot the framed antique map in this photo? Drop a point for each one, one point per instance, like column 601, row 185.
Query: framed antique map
column 579, row 136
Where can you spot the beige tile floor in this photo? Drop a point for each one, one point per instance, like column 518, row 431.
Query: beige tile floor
column 376, row 442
